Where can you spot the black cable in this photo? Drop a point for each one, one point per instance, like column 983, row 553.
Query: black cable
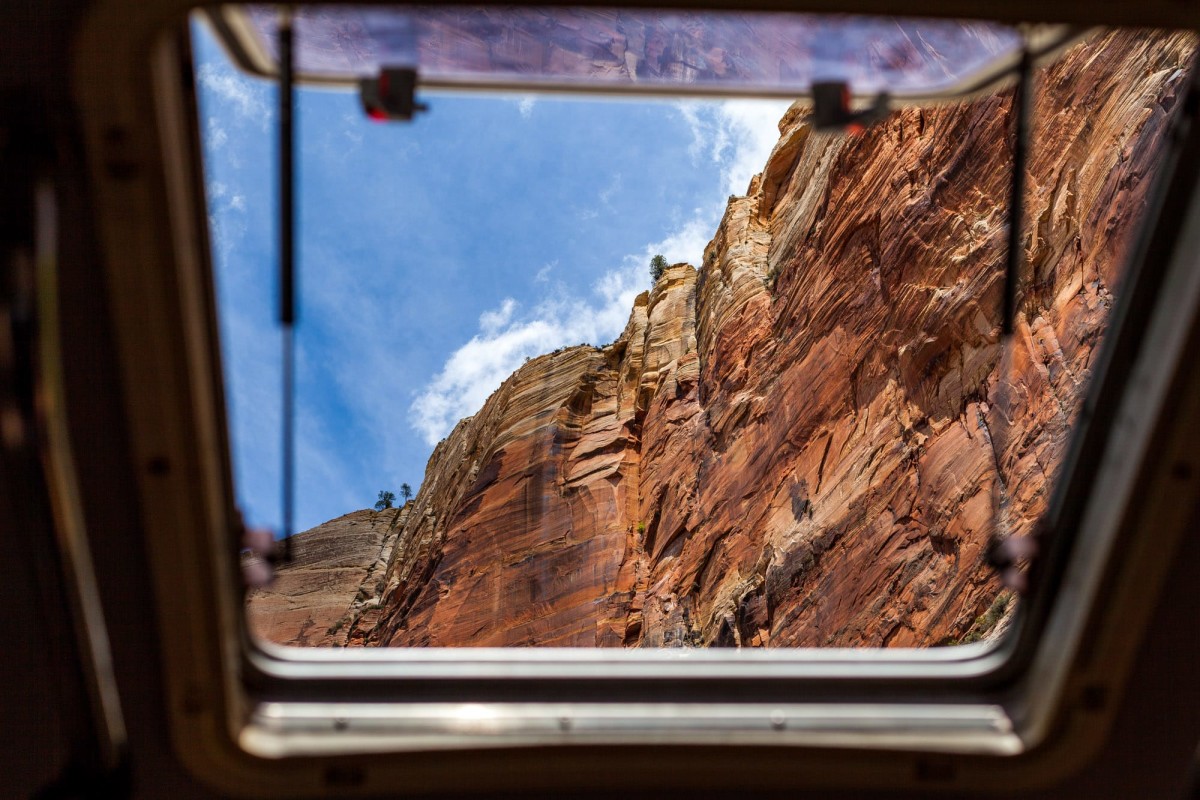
column 1016, row 202
column 1000, row 549
column 287, row 286
column 287, row 274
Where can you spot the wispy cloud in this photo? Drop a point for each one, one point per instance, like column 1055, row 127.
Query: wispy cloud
column 352, row 129
column 217, row 135
column 608, row 192
column 735, row 137
column 226, row 219
column 525, row 105
column 506, row 338
column 321, row 458
column 248, row 99
column 492, row 321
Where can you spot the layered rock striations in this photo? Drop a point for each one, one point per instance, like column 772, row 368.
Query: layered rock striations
column 336, row 574
column 799, row 444
column 529, row 538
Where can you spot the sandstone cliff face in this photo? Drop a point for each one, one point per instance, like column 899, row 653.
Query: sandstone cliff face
column 834, row 486
column 529, row 538
column 336, row 573
column 798, row 444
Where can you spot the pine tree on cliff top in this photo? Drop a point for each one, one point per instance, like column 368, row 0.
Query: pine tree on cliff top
column 658, row 265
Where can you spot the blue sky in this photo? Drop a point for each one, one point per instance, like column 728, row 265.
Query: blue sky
column 434, row 257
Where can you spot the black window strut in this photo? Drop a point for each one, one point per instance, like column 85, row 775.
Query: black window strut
column 287, row 276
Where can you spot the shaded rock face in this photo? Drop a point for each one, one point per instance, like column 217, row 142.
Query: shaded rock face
column 335, row 576
column 799, row 444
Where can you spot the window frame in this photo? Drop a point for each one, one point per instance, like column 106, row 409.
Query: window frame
column 261, row 719
column 244, row 48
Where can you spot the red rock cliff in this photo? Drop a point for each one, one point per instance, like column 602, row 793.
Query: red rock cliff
column 336, row 574
column 797, row 444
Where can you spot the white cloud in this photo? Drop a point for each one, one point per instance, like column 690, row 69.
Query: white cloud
column 217, row 136
column 353, row 129
column 226, row 229
column 525, row 105
column 752, row 127
column 477, row 368
column 505, row 338
column 492, row 321
column 687, row 242
column 690, row 111
column 247, row 100
column 614, row 186
column 543, row 274
column 735, row 137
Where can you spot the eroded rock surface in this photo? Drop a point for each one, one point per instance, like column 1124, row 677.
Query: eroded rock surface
column 334, row 576
column 798, row 444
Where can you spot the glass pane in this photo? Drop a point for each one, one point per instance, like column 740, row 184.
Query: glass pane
column 720, row 52
column 792, row 433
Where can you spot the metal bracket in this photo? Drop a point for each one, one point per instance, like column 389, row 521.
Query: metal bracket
column 391, row 96
column 832, row 111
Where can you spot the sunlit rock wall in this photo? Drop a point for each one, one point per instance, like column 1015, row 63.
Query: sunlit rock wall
column 334, row 575
column 799, row 443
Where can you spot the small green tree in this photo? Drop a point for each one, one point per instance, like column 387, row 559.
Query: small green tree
column 385, row 500
column 406, row 492
column 658, row 265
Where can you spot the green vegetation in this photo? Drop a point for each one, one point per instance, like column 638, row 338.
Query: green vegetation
column 385, row 500
column 406, row 492
column 772, row 276
column 658, row 265
column 987, row 620
column 641, row 527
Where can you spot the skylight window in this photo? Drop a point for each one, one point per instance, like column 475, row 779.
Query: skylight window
column 677, row 52
column 694, row 374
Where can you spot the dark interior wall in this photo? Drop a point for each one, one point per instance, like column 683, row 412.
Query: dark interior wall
column 48, row 716
column 42, row 701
